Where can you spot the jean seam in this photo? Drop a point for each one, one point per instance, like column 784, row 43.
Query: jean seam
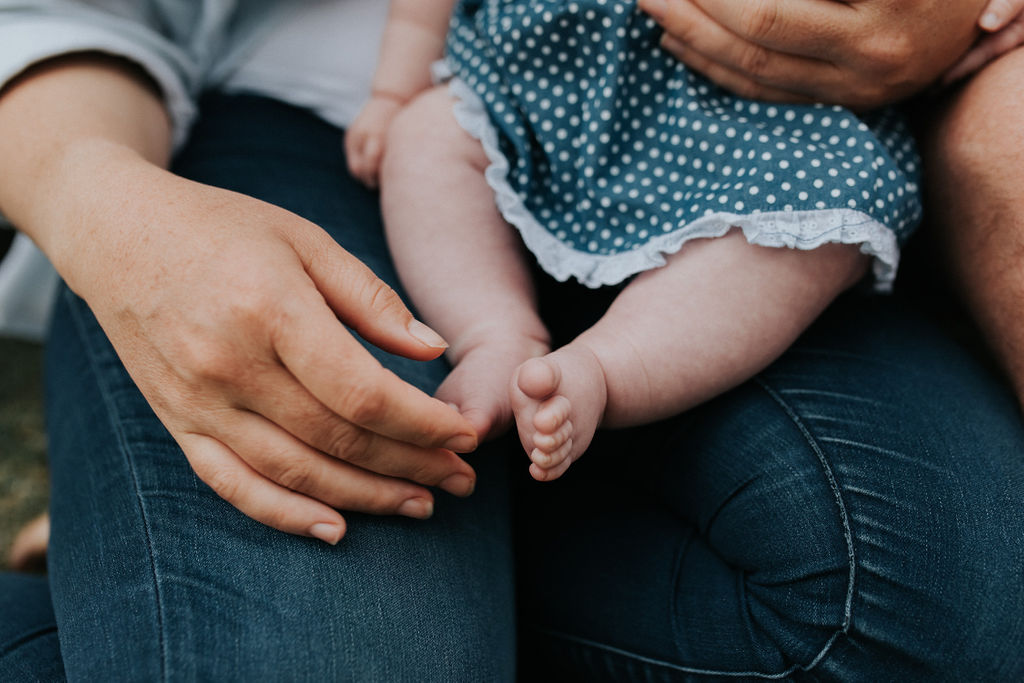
column 125, row 449
column 660, row 663
column 26, row 638
column 843, row 516
column 819, row 453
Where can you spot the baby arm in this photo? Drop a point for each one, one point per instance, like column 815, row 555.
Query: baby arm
column 413, row 39
column 1004, row 22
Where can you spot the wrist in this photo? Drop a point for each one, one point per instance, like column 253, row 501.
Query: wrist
column 84, row 201
column 400, row 99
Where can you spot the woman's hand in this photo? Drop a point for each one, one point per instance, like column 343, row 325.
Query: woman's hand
column 227, row 312
column 859, row 53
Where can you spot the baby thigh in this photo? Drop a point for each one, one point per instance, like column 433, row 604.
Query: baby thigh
column 851, row 514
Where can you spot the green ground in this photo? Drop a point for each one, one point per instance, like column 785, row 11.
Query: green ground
column 23, row 483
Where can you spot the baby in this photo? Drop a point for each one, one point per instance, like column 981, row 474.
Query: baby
column 614, row 164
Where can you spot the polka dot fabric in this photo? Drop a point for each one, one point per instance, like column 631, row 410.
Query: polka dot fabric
column 607, row 153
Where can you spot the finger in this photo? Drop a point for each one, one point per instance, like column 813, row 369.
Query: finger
column 342, row 375
column 309, row 426
column 285, row 460
column 802, row 27
column 734, row 81
column 999, row 13
column 978, row 57
column 353, row 152
column 362, row 300
column 985, row 51
column 371, row 153
column 767, row 68
column 256, row 496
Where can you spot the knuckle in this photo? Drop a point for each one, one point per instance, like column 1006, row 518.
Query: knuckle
column 382, row 298
column 364, row 403
column 889, row 53
column 222, row 480
column 296, row 475
column 762, row 20
column 209, row 360
column 684, row 31
column 754, row 60
column 348, row 442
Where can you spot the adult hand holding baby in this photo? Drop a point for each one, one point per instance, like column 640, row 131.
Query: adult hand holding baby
column 859, row 54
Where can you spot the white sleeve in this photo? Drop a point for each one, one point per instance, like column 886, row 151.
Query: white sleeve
column 141, row 32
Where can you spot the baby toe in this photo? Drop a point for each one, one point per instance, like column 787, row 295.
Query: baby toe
column 552, row 414
column 549, row 443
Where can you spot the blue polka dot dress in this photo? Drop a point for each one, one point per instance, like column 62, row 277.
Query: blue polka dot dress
column 607, row 153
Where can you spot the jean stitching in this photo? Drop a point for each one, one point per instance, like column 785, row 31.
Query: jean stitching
column 125, row 449
column 848, row 603
column 843, row 516
column 660, row 663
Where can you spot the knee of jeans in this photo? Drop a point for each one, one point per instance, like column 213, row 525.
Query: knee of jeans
column 942, row 597
column 777, row 520
column 862, row 552
column 381, row 606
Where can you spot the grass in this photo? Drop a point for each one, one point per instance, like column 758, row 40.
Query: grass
column 24, row 490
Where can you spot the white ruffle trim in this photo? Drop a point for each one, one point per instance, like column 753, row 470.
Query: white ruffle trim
column 794, row 229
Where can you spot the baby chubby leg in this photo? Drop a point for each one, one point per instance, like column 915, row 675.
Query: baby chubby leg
column 720, row 311
column 461, row 264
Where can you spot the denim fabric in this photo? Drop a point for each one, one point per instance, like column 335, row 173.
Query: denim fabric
column 854, row 513
column 29, row 651
column 154, row 577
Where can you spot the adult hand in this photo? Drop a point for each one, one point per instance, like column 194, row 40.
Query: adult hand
column 1004, row 22
column 227, row 311
column 857, row 53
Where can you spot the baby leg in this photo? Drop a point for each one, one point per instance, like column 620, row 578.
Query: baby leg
column 461, row 264
column 720, row 311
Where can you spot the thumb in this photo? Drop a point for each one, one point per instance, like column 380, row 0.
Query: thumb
column 363, row 301
column 998, row 14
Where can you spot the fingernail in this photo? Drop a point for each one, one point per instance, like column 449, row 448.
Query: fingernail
column 418, row 508
column 328, row 533
column 990, row 21
column 656, row 8
column 462, row 443
column 458, row 485
column 426, row 335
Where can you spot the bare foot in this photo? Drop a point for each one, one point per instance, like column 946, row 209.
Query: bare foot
column 28, row 552
column 478, row 385
column 558, row 401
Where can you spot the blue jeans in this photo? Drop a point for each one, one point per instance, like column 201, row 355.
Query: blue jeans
column 852, row 513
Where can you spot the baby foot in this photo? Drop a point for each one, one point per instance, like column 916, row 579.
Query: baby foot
column 28, row 552
column 478, row 384
column 558, row 401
